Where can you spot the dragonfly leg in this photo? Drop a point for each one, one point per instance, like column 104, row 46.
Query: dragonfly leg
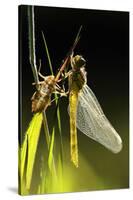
column 39, row 83
column 57, row 86
column 41, row 75
column 60, row 90
column 65, row 75
column 62, row 94
column 68, row 74
column 39, row 69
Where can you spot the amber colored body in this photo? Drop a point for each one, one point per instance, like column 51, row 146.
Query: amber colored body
column 76, row 82
column 41, row 99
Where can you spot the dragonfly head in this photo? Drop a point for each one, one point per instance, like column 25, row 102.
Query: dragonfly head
column 79, row 62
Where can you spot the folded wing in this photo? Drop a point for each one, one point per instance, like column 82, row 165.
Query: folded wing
column 92, row 121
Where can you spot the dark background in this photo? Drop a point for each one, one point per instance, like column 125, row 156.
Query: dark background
column 104, row 44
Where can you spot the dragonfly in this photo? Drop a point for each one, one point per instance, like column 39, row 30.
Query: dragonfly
column 86, row 113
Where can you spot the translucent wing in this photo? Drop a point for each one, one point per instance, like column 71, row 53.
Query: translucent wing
column 93, row 123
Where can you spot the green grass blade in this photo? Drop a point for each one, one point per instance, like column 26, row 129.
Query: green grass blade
column 32, row 55
column 47, row 52
column 50, row 156
column 31, row 137
column 60, row 173
column 23, row 149
column 21, row 167
column 50, row 142
column 60, row 132
column 22, row 157
column 46, row 129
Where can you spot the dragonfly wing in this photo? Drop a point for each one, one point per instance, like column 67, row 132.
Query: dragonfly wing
column 92, row 121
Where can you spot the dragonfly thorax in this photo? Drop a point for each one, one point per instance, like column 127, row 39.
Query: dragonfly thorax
column 50, row 80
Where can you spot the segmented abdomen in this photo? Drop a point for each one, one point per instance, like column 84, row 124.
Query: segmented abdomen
column 41, row 99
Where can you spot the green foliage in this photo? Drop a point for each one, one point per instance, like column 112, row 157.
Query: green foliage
column 28, row 150
column 48, row 56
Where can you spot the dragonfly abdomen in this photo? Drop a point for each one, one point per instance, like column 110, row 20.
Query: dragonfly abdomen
column 73, row 130
column 40, row 102
column 76, row 82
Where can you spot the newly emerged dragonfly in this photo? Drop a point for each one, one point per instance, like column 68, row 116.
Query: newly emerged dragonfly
column 86, row 113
